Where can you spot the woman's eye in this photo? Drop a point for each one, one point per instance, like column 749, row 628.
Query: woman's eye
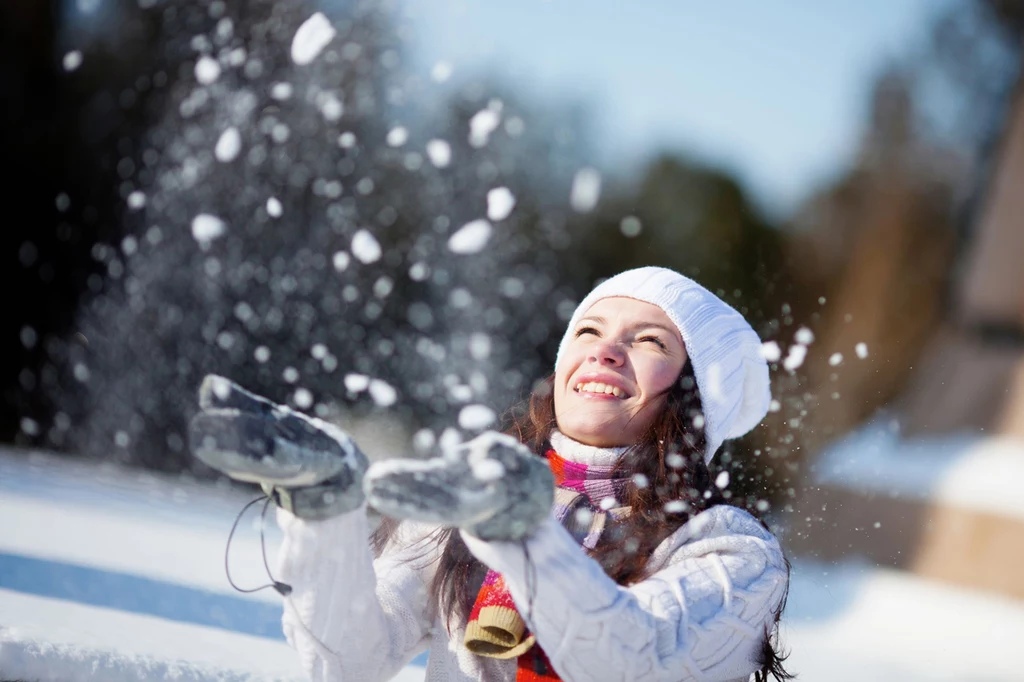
column 586, row 330
column 654, row 339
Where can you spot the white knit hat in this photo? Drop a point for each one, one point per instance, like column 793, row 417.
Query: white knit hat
column 731, row 372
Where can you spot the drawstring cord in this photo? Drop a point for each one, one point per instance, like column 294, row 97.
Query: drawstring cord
column 282, row 589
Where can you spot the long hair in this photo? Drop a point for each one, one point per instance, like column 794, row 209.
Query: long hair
column 667, row 482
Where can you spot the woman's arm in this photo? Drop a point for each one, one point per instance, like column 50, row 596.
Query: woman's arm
column 701, row 616
column 348, row 616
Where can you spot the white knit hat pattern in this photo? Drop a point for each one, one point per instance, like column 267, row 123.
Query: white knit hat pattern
column 731, row 372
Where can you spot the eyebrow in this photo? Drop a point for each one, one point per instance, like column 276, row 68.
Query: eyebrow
column 639, row 325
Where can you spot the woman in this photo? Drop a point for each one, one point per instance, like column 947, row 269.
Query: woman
column 588, row 543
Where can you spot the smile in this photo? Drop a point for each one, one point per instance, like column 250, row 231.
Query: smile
column 598, row 388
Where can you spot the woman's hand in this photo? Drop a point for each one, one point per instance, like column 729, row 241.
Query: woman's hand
column 491, row 486
column 311, row 468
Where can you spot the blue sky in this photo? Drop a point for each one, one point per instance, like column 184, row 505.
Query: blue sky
column 773, row 90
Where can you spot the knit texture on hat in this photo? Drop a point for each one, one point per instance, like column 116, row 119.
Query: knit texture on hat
column 731, row 372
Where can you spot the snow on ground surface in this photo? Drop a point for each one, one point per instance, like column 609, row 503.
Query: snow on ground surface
column 969, row 470
column 107, row 574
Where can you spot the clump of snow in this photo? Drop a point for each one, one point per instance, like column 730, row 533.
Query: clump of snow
column 347, row 140
column 341, row 259
column 382, row 393
column 356, row 383
column 471, row 237
column 290, row 375
column 439, row 152
column 835, row 359
column 774, row 406
column 303, row 398
column 441, row 72
column 311, row 38
column 281, row 91
column 136, row 200
column 419, row 271
column 500, row 202
column 631, row 226
column 487, row 470
column 228, row 145
column 331, row 107
column 473, row 417
column 72, row 60
column 675, row 507
column 206, row 228
column 795, row 358
column 586, row 190
column 861, row 349
column 423, row 440
column 483, row 123
column 479, row 346
column 722, row 480
column 804, row 336
column 397, row 136
column 770, row 351
column 261, row 354
column 365, row 247
column 207, row 70
column 274, row 207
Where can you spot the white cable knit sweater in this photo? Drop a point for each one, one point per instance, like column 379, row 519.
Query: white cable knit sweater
column 713, row 588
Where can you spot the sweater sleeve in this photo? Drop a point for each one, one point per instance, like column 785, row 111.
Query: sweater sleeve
column 701, row 616
column 350, row 617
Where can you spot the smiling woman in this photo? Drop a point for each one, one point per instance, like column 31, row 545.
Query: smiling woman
column 480, row 560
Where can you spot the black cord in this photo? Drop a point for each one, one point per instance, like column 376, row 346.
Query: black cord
column 281, row 588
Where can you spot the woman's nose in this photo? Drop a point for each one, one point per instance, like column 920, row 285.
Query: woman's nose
column 608, row 353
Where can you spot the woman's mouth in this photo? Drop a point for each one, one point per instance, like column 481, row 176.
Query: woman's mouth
column 598, row 389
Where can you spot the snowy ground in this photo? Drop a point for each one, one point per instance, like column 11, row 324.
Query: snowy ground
column 113, row 575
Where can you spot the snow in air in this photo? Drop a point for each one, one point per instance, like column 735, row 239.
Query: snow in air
column 770, row 351
column 356, row 383
column 861, row 349
column 586, row 190
column 303, row 398
column 473, row 417
column 440, row 153
column 311, row 38
column 487, row 470
column 228, row 145
column 835, row 359
column 441, row 72
column 795, row 358
column 471, row 237
column 207, row 70
column 722, row 480
column 72, row 60
column 631, row 226
column 365, row 247
column 675, row 507
column 397, row 136
column 482, row 125
column 206, row 228
column 382, row 393
column 274, row 208
column 136, row 200
column 804, row 336
column 341, row 260
column 500, row 202
column 281, row 91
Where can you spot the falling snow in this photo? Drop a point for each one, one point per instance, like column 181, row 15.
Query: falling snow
column 136, row 200
column 441, row 72
column 500, row 202
column 439, row 152
column 835, row 359
column 365, row 247
column 586, row 190
column 207, row 70
column 770, row 351
column 311, row 38
column 483, row 123
column 397, row 136
column 382, row 393
column 722, row 480
column 72, row 60
column 340, row 260
column 861, row 349
column 804, row 336
column 795, row 358
column 473, row 417
column 274, row 208
column 228, row 145
column 206, row 228
column 356, row 383
column 471, row 237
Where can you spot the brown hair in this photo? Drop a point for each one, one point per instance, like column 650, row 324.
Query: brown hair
column 666, row 465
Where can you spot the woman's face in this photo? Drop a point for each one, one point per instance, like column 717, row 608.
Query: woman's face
column 610, row 383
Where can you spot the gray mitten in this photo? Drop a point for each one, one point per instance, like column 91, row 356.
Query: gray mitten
column 309, row 467
column 491, row 486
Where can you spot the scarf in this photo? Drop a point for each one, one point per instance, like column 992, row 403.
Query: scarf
column 585, row 496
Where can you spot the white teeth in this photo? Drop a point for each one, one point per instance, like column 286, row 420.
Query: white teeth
column 598, row 387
